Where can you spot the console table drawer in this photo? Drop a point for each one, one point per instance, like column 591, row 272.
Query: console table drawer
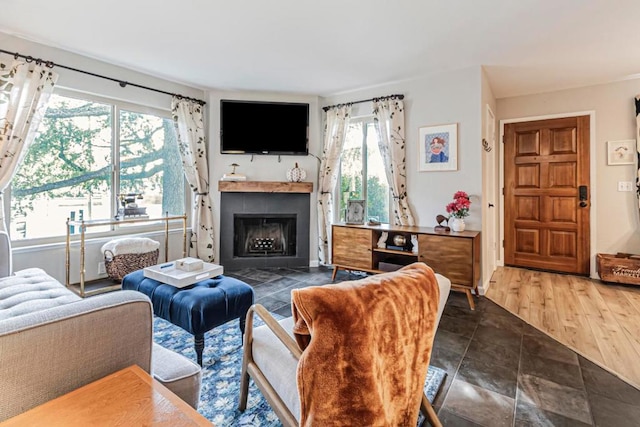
column 352, row 247
column 450, row 256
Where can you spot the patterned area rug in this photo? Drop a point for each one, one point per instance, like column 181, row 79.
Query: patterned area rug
column 222, row 359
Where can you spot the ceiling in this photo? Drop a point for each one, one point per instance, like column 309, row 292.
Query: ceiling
column 335, row 46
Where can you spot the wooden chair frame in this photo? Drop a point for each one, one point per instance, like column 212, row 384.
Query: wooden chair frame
column 250, row 369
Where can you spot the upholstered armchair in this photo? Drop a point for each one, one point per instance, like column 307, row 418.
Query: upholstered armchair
column 354, row 353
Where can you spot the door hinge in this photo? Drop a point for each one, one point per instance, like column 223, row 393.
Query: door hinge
column 503, row 191
column 503, row 243
column 503, row 139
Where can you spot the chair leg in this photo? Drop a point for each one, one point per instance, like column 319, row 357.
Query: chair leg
column 247, row 341
column 244, row 383
column 198, row 341
column 429, row 412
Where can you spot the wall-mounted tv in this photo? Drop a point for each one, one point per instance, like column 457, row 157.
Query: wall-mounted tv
column 253, row 127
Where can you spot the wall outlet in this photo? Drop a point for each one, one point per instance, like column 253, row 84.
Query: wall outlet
column 101, row 268
column 625, row 186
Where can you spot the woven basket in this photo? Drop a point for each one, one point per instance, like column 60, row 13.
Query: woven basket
column 118, row 266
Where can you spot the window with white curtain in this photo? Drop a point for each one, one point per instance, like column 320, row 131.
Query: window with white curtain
column 88, row 151
column 362, row 173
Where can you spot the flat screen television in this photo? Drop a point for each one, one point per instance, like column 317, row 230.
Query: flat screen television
column 253, row 127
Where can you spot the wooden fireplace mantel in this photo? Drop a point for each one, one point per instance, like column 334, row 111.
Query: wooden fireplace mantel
column 264, row 187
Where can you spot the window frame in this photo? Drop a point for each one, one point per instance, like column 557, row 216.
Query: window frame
column 365, row 120
column 116, row 105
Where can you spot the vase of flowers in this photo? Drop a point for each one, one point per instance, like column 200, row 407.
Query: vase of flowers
column 458, row 210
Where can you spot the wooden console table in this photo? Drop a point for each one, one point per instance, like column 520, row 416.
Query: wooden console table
column 454, row 255
column 129, row 397
column 83, row 225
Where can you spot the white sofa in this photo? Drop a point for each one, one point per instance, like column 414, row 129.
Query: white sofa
column 52, row 341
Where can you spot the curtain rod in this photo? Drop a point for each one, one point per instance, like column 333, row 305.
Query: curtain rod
column 122, row 83
column 379, row 98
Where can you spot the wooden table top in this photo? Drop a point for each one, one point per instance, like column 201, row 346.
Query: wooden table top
column 129, row 397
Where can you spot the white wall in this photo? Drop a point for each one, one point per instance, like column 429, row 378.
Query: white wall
column 265, row 167
column 51, row 257
column 453, row 97
column 616, row 212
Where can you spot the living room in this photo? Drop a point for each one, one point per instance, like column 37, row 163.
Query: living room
column 467, row 95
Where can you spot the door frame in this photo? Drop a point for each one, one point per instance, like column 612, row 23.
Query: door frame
column 490, row 215
column 592, row 180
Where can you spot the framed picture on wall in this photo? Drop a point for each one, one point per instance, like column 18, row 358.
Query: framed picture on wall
column 438, row 148
column 621, row 152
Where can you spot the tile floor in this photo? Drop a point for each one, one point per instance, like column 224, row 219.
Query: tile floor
column 500, row 371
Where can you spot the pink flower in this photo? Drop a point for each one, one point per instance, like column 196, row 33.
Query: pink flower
column 460, row 206
column 451, row 207
column 460, row 195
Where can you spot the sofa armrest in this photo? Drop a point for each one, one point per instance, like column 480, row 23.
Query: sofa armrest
column 48, row 353
column 445, row 288
column 6, row 263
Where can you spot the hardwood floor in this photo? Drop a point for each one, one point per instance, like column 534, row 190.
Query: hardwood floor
column 599, row 321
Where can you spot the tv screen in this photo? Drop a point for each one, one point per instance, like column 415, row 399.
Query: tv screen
column 251, row 127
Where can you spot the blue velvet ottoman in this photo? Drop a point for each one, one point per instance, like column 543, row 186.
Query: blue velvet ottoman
column 197, row 308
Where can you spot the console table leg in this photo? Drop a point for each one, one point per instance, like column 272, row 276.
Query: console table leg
column 335, row 271
column 199, row 345
column 472, row 304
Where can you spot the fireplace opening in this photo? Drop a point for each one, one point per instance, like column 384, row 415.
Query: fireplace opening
column 264, row 235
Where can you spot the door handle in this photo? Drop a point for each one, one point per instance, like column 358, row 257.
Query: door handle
column 582, row 192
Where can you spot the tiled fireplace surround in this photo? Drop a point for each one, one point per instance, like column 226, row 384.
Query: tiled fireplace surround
column 270, row 200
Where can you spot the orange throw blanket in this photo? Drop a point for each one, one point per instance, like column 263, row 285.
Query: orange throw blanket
column 366, row 348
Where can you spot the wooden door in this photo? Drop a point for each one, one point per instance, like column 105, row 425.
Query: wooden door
column 546, row 163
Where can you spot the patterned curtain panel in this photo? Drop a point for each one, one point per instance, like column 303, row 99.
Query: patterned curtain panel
column 192, row 144
column 638, row 147
column 334, row 133
column 389, row 124
column 25, row 89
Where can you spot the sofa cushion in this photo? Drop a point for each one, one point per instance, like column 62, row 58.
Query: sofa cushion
column 277, row 364
column 177, row 373
column 31, row 290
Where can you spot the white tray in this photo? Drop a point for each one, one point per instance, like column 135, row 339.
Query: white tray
column 169, row 274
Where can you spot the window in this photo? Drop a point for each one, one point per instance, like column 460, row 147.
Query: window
column 82, row 159
column 362, row 172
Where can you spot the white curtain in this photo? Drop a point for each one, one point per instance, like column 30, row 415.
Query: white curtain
column 389, row 124
column 334, row 133
column 25, row 89
column 192, row 144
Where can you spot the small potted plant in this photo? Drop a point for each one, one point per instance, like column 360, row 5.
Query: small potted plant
column 458, row 210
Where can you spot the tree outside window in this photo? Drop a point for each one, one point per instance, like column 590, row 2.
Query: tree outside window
column 362, row 173
column 77, row 165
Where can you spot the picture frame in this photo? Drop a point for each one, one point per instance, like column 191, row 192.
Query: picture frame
column 621, row 152
column 356, row 210
column 438, row 148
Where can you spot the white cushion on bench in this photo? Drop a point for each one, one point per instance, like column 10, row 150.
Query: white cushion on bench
column 130, row 245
